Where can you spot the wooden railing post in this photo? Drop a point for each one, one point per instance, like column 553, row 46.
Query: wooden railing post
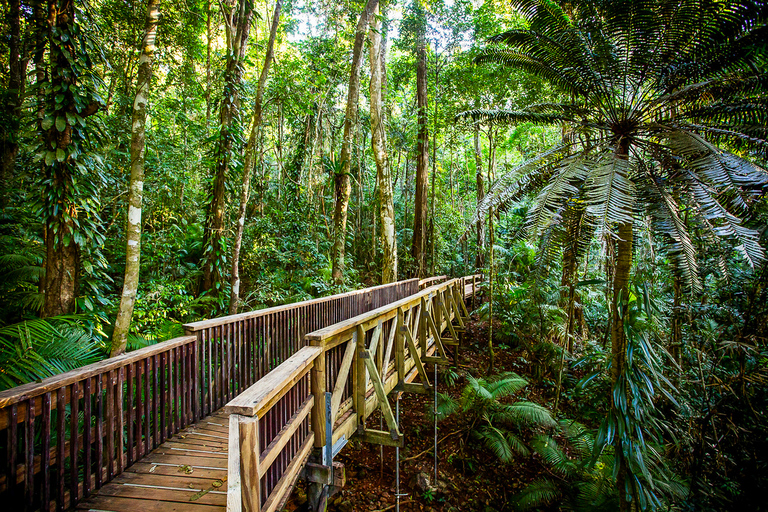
column 317, row 377
column 243, row 478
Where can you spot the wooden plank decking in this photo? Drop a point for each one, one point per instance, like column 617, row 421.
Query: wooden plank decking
column 186, row 473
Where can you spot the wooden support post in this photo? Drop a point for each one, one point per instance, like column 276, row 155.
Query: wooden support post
column 341, row 378
column 448, row 318
column 400, row 347
column 417, row 359
column 361, row 383
column 443, row 357
column 381, row 394
column 243, row 485
column 422, row 333
column 317, row 382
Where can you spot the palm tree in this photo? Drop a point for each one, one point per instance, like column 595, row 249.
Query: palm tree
column 667, row 114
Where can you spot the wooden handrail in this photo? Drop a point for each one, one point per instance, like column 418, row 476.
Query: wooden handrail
column 214, row 322
column 265, row 459
column 35, row 389
column 257, row 399
column 383, row 313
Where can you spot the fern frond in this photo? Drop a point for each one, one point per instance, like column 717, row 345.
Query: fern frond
column 537, row 494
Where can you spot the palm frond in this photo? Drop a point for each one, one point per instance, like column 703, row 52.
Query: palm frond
column 537, row 494
column 729, row 226
column 503, row 444
column 609, row 193
column 526, row 412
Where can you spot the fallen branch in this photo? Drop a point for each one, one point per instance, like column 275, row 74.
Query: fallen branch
column 392, row 506
column 431, row 447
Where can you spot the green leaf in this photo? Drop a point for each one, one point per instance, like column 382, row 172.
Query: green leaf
column 60, row 155
column 50, row 157
column 46, row 123
column 61, row 123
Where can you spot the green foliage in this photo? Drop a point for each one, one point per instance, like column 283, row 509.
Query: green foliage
column 35, row 349
column 495, row 422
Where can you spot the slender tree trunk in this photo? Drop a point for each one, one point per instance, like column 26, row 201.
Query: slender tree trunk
column 379, row 146
column 12, row 108
column 237, row 20
column 491, row 280
column 422, row 151
column 250, row 158
column 209, row 36
column 136, row 190
column 480, row 255
column 342, row 185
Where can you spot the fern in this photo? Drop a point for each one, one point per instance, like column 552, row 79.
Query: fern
column 35, row 349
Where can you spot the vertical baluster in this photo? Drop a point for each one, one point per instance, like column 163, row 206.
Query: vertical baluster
column 178, row 396
column 195, row 381
column 191, row 368
column 138, row 415
column 99, row 459
column 209, row 408
column 155, row 399
column 13, row 426
column 29, row 453
column 129, row 378
column 119, row 415
column 147, row 406
column 45, row 466
column 162, row 393
column 172, row 376
column 110, row 420
column 61, row 431
column 87, row 438
column 74, row 402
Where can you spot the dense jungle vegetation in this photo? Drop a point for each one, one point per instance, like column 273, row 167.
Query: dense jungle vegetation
column 601, row 163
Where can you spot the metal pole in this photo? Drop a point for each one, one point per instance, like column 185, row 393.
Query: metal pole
column 435, row 415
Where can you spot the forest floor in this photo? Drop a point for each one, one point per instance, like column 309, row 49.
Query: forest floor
column 469, row 477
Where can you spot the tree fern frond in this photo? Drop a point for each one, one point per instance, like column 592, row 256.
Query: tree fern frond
column 563, row 185
column 511, row 117
column 526, row 412
column 609, row 194
column 719, row 168
column 725, row 224
column 505, row 385
column 503, row 444
column 537, row 494
column 667, row 220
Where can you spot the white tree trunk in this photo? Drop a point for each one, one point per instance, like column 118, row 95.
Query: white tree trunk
column 248, row 162
column 379, row 146
column 136, row 191
column 342, row 184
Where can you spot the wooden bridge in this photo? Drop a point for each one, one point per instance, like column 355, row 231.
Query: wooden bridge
column 232, row 413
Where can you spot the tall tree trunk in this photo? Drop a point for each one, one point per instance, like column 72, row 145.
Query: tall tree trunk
column 342, row 185
column 61, row 188
column 480, row 255
column 618, row 337
column 379, row 146
column 136, row 190
column 237, row 21
column 250, row 158
column 422, row 149
column 12, row 106
column 618, row 306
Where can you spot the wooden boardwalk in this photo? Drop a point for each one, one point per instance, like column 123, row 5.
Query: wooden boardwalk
column 150, row 430
column 186, row 473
